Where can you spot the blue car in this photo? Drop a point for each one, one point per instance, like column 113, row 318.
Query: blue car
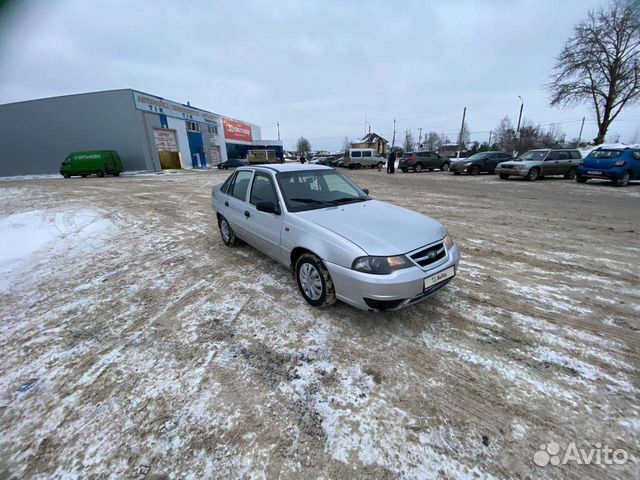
column 618, row 165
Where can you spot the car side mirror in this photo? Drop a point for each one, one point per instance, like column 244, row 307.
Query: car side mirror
column 268, row 207
column 366, row 191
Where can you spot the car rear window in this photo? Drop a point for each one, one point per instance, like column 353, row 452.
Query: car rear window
column 605, row 153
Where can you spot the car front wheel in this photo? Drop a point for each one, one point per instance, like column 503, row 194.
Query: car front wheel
column 314, row 281
column 533, row 174
column 581, row 179
column 475, row 170
column 444, row 167
column 504, row 176
column 571, row 173
column 417, row 168
column 226, row 232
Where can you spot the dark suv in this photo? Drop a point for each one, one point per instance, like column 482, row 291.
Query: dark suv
column 480, row 162
column 419, row 161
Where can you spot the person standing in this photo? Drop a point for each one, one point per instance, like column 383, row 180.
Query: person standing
column 391, row 163
column 302, row 159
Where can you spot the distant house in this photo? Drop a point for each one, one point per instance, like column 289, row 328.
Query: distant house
column 372, row 140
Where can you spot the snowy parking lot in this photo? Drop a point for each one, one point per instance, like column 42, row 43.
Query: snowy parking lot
column 135, row 343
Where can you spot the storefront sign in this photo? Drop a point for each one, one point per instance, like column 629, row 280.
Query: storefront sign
column 237, row 131
column 149, row 103
column 165, row 140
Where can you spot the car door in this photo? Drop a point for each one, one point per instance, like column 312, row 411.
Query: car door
column 236, row 204
column 264, row 228
column 551, row 164
column 490, row 162
column 564, row 161
column 430, row 160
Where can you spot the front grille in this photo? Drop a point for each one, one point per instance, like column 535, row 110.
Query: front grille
column 429, row 255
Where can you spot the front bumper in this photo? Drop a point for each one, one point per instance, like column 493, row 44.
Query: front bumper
column 453, row 168
column 512, row 172
column 388, row 292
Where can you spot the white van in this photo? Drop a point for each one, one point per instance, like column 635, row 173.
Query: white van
column 364, row 157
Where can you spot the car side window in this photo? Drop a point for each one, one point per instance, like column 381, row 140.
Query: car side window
column 262, row 189
column 564, row 156
column 356, row 154
column 227, row 183
column 551, row 156
column 366, row 154
column 241, row 184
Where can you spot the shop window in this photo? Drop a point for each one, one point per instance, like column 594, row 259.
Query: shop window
column 193, row 126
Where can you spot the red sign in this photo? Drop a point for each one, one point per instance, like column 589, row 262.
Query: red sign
column 237, row 131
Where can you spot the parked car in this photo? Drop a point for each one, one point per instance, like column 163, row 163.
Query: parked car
column 99, row 162
column 542, row 163
column 424, row 160
column 317, row 160
column 340, row 243
column 232, row 163
column 620, row 165
column 479, row 162
column 363, row 157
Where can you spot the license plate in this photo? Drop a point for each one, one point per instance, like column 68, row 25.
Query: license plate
column 593, row 172
column 439, row 277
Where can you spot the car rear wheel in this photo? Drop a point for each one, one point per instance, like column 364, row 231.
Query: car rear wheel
column 581, row 179
column 571, row 173
column 444, row 167
column 417, row 168
column 533, row 174
column 623, row 180
column 314, row 281
column 504, row 176
column 226, row 232
column 456, row 173
column 379, row 165
column 100, row 174
column 475, row 170
column 405, row 170
column 116, row 174
column 66, row 175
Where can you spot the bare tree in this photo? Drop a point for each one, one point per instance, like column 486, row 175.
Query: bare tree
column 408, row 141
column 600, row 64
column 432, row 141
column 303, row 146
column 506, row 135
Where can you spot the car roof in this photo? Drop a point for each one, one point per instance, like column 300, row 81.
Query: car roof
column 287, row 167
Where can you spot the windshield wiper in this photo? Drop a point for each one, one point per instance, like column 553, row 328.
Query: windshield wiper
column 310, row 200
column 343, row 200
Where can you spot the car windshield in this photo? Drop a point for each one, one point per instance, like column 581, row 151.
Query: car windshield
column 477, row 156
column 532, row 155
column 312, row 189
column 605, row 153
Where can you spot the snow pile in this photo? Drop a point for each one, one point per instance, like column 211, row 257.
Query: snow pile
column 612, row 146
column 29, row 237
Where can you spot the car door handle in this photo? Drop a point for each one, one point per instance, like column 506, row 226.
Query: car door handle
column 247, row 214
column 226, row 203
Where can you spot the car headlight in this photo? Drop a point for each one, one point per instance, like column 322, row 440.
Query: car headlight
column 448, row 242
column 381, row 265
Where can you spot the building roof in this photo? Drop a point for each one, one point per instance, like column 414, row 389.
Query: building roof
column 370, row 137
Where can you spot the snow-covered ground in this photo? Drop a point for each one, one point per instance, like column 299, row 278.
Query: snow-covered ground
column 134, row 342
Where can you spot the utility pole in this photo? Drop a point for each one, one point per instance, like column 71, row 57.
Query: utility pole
column 490, row 133
column 393, row 141
column 365, row 123
column 278, row 124
column 420, row 137
column 461, row 139
column 580, row 134
column 519, row 117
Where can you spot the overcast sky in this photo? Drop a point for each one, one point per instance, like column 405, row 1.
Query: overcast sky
column 316, row 67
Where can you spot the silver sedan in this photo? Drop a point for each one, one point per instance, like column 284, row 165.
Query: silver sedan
column 340, row 243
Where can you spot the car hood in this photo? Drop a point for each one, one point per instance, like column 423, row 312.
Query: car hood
column 521, row 162
column 378, row 228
